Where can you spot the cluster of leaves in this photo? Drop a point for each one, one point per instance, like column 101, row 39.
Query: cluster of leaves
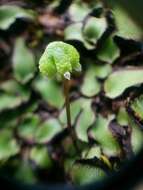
column 106, row 99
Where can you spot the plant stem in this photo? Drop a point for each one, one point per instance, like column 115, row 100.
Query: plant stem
column 67, row 104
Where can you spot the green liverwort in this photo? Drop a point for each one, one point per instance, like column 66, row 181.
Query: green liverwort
column 61, row 59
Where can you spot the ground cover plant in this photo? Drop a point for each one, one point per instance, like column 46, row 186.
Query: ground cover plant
column 40, row 141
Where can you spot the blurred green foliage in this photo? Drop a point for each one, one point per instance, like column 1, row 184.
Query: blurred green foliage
column 106, row 98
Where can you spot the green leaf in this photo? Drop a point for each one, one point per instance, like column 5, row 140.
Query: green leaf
column 137, row 106
column 24, row 173
column 101, row 133
column 122, row 117
column 84, row 174
column 13, row 94
column 47, row 130
column 120, row 80
column 8, row 145
column 9, row 14
column 109, row 51
column 136, row 137
column 102, row 71
column 85, row 119
column 40, row 156
column 14, row 88
column 23, row 62
column 74, row 32
column 77, row 11
column 51, row 92
column 10, row 116
column 94, row 151
column 94, row 29
column 28, row 127
column 75, row 108
column 127, row 28
column 89, row 34
column 90, row 86
column 9, row 101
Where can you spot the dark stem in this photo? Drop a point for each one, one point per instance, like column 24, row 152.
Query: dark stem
column 67, row 104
